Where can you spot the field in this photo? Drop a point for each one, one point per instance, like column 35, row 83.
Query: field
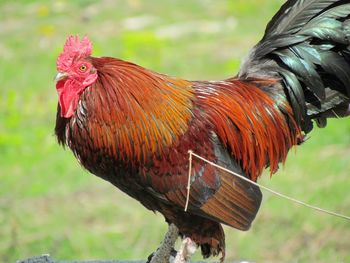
column 49, row 204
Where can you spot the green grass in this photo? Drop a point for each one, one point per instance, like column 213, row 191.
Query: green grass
column 49, row 204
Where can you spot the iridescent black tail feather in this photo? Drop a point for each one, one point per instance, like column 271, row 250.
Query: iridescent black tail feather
column 307, row 45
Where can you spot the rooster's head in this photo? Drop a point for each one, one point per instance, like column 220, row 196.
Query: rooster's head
column 75, row 73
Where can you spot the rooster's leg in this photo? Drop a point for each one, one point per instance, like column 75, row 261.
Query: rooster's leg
column 165, row 250
column 188, row 247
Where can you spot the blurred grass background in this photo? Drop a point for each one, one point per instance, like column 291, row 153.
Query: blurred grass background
column 49, row 204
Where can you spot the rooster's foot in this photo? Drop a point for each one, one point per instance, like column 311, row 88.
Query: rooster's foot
column 188, row 247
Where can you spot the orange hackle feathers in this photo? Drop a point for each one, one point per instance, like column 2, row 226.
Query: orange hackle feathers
column 250, row 123
column 146, row 111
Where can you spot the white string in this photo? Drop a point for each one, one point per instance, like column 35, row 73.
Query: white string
column 191, row 153
column 189, row 180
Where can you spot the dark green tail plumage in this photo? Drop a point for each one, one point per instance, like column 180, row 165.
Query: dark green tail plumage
column 307, row 45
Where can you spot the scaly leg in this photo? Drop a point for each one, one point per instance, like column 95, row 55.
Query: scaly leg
column 163, row 253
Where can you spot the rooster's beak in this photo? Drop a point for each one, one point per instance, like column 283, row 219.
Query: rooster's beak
column 60, row 76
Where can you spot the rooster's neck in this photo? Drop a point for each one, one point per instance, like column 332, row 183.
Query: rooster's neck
column 144, row 111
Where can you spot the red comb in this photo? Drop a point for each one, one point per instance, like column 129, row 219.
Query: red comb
column 73, row 49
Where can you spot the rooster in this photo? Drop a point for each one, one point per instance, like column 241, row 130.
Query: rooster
column 134, row 127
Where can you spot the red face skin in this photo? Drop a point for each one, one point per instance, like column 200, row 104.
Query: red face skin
column 72, row 82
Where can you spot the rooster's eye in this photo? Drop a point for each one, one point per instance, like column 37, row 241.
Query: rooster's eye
column 82, row 68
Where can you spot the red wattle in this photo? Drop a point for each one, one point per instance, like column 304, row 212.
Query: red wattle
column 68, row 96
